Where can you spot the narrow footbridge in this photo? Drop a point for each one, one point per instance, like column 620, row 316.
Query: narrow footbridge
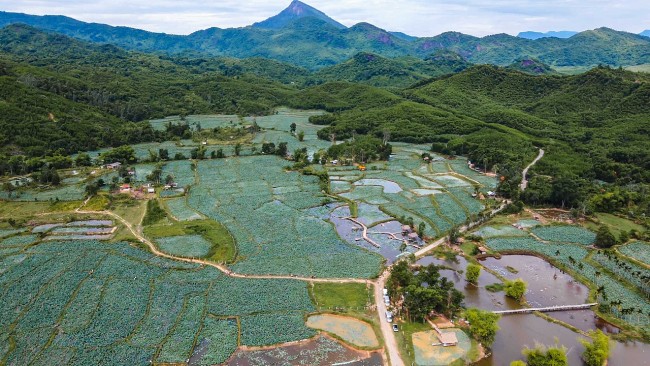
column 547, row 309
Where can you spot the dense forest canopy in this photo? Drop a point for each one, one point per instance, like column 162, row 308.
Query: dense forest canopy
column 59, row 96
column 315, row 41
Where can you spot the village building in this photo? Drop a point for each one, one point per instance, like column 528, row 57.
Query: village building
column 447, row 339
column 113, row 166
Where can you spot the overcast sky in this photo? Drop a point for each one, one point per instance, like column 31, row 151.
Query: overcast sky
column 415, row 17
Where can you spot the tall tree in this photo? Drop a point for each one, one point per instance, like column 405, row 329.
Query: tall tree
column 483, row 325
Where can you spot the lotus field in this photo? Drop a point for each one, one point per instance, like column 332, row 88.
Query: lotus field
column 565, row 234
column 180, row 210
column 638, row 250
column 83, row 303
column 181, row 171
column 634, row 274
column 408, row 187
column 499, row 231
column 189, row 246
column 273, row 232
column 575, row 257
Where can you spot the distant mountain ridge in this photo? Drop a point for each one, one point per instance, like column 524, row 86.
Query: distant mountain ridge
column 306, row 37
column 296, row 10
column 646, row 33
column 538, row 35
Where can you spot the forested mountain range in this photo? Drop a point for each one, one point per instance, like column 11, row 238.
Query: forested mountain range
column 304, row 36
column 58, row 93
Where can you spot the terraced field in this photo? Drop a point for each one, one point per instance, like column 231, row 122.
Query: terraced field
column 617, row 279
column 84, row 302
column 274, row 234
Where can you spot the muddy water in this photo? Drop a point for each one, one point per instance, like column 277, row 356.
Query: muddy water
column 352, row 233
column 320, row 351
column 548, row 286
column 475, row 295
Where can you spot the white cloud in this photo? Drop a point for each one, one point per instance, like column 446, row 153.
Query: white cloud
column 416, row 17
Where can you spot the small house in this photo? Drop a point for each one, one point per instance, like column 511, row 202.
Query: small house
column 151, row 190
column 113, row 166
column 482, row 250
column 447, row 339
column 413, row 237
column 125, row 188
column 406, row 229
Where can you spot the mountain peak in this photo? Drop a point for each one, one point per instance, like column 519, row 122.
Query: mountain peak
column 296, row 10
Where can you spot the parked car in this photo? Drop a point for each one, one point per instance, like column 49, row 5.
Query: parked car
column 395, row 329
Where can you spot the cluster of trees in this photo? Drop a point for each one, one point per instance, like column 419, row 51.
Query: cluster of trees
column 64, row 96
column 424, row 292
column 595, row 354
column 362, row 149
column 515, row 289
column 483, row 325
column 543, row 356
column 21, row 165
column 269, row 148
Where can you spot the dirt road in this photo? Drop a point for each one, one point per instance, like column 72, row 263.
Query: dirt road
column 524, row 180
column 225, row 270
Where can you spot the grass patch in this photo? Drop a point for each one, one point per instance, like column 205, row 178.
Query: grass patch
column 495, row 287
column 330, row 296
column 130, row 210
column 469, row 248
column 405, row 340
column 154, row 213
column 223, row 245
column 17, row 210
column 445, row 253
column 615, row 224
column 512, row 270
column 99, row 202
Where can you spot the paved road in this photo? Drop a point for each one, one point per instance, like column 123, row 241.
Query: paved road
column 386, row 328
column 524, row 180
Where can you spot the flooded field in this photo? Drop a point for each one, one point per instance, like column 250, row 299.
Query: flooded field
column 547, row 286
column 321, row 351
column 386, row 234
column 351, row 330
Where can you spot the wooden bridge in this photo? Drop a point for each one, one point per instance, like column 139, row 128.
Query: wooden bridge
column 546, row 310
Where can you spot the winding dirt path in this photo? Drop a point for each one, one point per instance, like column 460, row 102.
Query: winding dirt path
column 225, row 270
column 524, row 173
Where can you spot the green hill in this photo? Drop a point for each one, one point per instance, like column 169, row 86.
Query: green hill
column 304, row 36
column 585, row 121
column 532, row 67
column 91, row 90
column 401, row 72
